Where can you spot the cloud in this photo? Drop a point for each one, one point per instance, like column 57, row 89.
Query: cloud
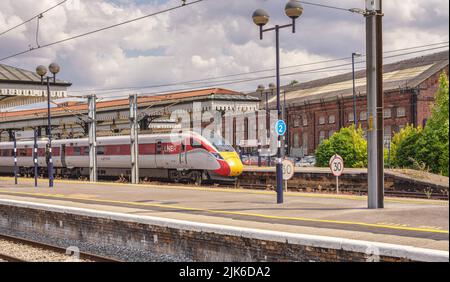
column 208, row 39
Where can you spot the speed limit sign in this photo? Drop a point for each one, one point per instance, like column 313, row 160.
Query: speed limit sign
column 337, row 165
column 337, row 168
column 288, row 169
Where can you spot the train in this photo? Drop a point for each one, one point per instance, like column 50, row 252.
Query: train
column 177, row 157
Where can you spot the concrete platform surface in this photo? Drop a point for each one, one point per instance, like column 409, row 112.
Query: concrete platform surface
column 409, row 222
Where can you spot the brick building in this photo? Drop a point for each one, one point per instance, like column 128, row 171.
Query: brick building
column 317, row 109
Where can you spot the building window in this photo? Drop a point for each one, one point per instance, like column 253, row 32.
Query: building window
column 401, row 112
column 387, row 113
column 400, row 127
column 322, row 120
column 321, row 136
column 351, row 118
column 296, row 140
column 363, row 116
column 331, row 133
column 305, row 121
column 296, row 121
column 305, row 143
column 331, row 119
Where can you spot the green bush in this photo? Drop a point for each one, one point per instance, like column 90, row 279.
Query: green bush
column 349, row 143
column 399, row 159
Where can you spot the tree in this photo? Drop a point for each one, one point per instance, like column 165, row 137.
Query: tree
column 428, row 147
column 398, row 159
column 349, row 143
column 435, row 153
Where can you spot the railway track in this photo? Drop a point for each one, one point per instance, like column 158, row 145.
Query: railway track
column 399, row 194
column 25, row 250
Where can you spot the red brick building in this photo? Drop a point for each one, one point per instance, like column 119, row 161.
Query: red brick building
column 317, row 109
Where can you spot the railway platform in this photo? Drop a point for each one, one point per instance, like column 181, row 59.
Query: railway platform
column 407, row 222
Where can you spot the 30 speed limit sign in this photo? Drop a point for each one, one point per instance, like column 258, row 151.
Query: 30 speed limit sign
column 337, row 165
column 288, row 169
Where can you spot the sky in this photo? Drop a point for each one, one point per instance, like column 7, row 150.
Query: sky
column 209, row 39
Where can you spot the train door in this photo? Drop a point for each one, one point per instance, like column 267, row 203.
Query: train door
column 182, row 153
column 159, row 158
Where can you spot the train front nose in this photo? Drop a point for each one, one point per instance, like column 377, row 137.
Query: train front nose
column 234, row 163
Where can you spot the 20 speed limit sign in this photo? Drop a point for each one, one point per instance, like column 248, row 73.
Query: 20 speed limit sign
column 288, row 170
column 337, row 165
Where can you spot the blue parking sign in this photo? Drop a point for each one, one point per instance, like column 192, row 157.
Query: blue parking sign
column 281, row 127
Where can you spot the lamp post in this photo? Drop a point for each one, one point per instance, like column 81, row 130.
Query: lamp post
column 293, row 10
column 355, row 119
column 41, row 71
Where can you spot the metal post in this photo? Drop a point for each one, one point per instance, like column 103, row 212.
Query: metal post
column 355, row 119
column 259, row 153
column 15, row 157
column 49, row 122
column 337, row 184
column 286, row 119
column 279, row 167
column 35, row 158
column 375, row 106
column 134, row 138
column 92, row 138
column 268, row 127
column 380, row 106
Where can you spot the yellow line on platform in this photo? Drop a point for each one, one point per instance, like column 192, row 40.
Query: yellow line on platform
column 349, row 223
column 236, row 190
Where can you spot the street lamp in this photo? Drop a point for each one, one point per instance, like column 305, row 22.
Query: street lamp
column 293, row 10
column 42, row 71
column 355, row 119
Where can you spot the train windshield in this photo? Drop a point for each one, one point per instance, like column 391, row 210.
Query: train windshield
column 222, row 145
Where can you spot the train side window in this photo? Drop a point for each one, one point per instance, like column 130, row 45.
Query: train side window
column 100, row 150
column 77, row 151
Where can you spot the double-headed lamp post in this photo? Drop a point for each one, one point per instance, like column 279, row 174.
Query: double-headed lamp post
column 293, row 10
column 42, row 71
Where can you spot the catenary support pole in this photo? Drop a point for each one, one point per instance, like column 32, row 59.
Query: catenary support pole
column 380, row 105
column 35, row 157
column 134, row 138
column 375, row 105
column 92, row 138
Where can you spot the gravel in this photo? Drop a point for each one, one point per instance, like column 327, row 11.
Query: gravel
column 31, row 253
column 123, row 253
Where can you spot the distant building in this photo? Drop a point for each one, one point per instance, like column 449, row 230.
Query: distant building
column 317, row 109
column 20, row 87
column 69, row 119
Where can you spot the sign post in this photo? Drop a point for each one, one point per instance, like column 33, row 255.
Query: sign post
column 337, row 168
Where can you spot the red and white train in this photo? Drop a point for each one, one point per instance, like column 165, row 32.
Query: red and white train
column 177, row 157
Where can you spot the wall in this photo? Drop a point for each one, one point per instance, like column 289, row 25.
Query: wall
column 195, row 241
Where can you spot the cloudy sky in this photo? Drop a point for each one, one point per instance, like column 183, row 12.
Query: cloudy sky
column 213, row 38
